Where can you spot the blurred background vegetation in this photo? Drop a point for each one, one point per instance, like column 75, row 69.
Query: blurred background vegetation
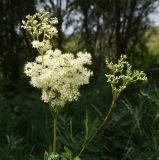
column 106, row 29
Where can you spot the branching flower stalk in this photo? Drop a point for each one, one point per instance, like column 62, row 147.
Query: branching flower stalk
column 57, row 75
column 120, row 77
column 91, row 137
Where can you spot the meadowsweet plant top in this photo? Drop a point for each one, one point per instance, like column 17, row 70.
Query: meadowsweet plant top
column 122, row 75
column 58, row 75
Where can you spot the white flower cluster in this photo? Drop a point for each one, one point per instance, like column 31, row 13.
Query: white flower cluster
column 59, row 77
column 40, row 25
column 42, row 47
column 122, row 75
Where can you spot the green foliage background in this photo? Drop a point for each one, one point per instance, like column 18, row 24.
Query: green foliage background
column 132, row 132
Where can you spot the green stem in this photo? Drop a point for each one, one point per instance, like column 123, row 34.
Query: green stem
column 42, row 61
column 54, row 132
column 91, row 137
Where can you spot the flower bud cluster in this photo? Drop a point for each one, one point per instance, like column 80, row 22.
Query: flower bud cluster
column 39, row 25
column 122, row 75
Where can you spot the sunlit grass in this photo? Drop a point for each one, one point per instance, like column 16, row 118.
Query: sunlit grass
column 153, row 42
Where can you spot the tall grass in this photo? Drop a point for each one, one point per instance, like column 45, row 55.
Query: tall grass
column 132, row 132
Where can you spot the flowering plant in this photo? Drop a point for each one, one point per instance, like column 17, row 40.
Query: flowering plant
column 121, row 75
column 59, row 76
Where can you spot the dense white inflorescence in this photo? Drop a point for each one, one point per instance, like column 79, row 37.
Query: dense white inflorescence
column 59, row 76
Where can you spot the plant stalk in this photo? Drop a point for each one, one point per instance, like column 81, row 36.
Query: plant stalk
column 54, row 132
column 91, row 137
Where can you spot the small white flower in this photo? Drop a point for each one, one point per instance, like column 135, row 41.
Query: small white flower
column 53, row 30
column 36, row 44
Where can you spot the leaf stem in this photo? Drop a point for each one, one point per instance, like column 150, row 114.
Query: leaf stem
column 54, row 132
column 91, row 137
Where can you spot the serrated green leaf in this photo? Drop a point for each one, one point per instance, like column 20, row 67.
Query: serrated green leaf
column 68, row 153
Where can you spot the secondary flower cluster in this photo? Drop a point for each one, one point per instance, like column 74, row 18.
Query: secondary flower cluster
column 122, row 75
column 42, row 30
column 40, row 25
column 59, row 77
